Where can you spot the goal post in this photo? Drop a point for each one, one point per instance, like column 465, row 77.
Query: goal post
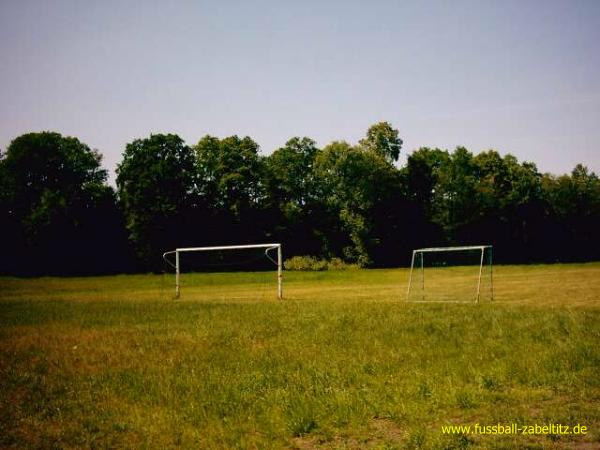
column 268, row 247
column 444, row 281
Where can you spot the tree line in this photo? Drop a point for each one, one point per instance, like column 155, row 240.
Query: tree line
column 59, row 215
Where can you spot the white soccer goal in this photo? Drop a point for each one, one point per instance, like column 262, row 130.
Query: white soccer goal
column 268, row 247
column 451, row 274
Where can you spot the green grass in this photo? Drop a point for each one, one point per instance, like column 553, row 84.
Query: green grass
column 342, row 362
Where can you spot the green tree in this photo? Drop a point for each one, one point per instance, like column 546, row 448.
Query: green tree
column 291, row 197
column 510, row 207
column 454, row 203
column 420, row 177
column 289, row 169
column 352, row 183
column 229, row 174
column 574, row 214
column 577, row 194
column 504, row 183
column 50, row 188
column 231, row 190
column 486, row 199
column 383, row 140
column 156, row 182
column 421, row 174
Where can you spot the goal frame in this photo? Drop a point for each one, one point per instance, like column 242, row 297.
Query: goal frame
column 422, row 251
column 267, row 247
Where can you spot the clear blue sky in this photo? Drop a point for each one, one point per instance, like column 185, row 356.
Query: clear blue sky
column 522, row 77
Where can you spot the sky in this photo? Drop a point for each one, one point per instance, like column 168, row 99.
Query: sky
column 521, row 77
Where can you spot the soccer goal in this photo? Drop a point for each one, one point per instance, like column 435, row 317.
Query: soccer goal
column 216, row 257
column 451, row 274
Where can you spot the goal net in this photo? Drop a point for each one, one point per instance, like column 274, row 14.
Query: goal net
column 228, row 271
column 451, row 274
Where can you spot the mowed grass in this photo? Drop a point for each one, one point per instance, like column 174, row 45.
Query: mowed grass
column 342, row 362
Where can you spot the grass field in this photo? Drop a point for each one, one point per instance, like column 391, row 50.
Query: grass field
column 342, row 362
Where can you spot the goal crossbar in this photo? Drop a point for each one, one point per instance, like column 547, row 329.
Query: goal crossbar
column 225, row 247
column 451, row 249
column 267, row 247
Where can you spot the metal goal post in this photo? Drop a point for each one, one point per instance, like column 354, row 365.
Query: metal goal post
column 422, row 251
column 267, row 247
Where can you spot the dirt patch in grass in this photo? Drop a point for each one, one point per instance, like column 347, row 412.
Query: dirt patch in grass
column 377, row 432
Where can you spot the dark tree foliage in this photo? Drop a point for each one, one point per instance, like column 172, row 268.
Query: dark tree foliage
column 573, row 215
column 358, row 189
column 420, row 177
column 157, row 188
column 229, row 173
column 510, row 209
column 295, row 212
column 231, row 191
column 489, row 199
column 57, row 214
